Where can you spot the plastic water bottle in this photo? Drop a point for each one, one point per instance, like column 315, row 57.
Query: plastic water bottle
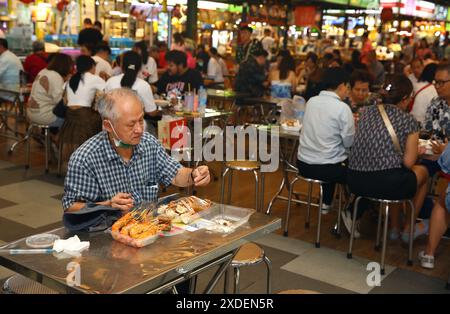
column 300, row 107
column 202, row 99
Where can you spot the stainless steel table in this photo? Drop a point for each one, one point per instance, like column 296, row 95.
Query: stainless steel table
column 287, row 159
column 111, row 267
column 13, row 107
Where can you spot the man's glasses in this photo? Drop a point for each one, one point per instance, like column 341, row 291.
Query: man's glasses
column 440, row 83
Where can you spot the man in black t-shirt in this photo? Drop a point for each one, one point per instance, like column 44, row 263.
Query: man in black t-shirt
column 178, row 76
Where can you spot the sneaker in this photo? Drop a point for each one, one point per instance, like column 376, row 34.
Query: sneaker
column 325, row 209
column 346, row 218
column 426, row 261
column 420, row 229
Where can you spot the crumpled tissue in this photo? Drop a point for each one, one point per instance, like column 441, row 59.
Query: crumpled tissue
column 71, row 245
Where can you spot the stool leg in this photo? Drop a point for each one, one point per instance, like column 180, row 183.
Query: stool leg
column 385, row 231
column 319, row 221
column 341, row 193
column 222, row 188
column 237, row 274
column 355, row 210
column 288, row 211
column 261, row 196
column 269, row 274
column 380, row 217
column 225, row 281
column 308, row 212
column 27, row 151
column 256, row 190
column 230, row 180
column 47, row 148
column 192, row 285
column 411, row 232
column 60, row 155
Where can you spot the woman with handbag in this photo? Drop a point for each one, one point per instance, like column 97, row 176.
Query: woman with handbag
column 82, row 120
column 382, row 161
column 48, row 89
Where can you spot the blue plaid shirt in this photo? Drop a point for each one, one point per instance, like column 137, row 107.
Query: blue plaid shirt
column 96, row 172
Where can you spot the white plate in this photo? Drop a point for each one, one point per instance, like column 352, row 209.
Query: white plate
column 291, row 128
column 162, row 103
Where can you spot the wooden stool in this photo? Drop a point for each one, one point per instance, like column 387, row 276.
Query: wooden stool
column 248, row 255
column 241, row 165
column 27, row 138
column 18, row 284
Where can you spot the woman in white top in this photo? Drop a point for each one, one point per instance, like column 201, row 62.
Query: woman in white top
column 424, row 92
column 84, row 85
column 47, row 90
column 82, row 120
column 215, row 69
column 149, row 70
column 131, row 65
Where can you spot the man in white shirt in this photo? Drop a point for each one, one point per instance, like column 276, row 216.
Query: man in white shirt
column 102, row 56
column 267, row 42
column 414, row 71
column 215, row 71
column 327, row 134
column 10, row 67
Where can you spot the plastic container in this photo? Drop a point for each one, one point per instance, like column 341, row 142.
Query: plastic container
column 138, row 243
column 40, row 241
column 202, row 99
column 234, row 215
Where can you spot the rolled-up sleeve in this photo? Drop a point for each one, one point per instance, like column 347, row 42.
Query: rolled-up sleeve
column 167, row 167
column 80, row 185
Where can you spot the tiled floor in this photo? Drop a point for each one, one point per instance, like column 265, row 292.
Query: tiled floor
column 30, row 203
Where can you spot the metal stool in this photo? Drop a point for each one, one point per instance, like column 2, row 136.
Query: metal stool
column 249, row 254
column 241, row 165
column 27, row 138
column 18, row 284
column 309, row 204
column 385, row 229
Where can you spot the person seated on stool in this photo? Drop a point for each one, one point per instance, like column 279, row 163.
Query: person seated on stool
column 377, row 168
column 327, row 134
column 123, row 166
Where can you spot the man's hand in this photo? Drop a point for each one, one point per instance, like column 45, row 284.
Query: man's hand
column 437, row 147
column 201, row 176
column 122, row 201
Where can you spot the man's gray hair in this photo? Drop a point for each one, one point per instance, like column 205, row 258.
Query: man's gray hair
column 106, row 105
column 38, row 46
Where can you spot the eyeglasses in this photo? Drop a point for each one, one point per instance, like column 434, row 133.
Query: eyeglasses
column 440, row 83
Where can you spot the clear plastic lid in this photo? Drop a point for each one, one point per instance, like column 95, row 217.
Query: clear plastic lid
column 44, row 240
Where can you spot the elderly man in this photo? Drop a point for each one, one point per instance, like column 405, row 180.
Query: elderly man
column 122, row 166
column 35, row 62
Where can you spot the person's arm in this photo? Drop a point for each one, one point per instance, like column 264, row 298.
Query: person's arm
column 411, row 150
column 147, row 97
column 153, row 70
column 187, row 177
column 347, row 125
